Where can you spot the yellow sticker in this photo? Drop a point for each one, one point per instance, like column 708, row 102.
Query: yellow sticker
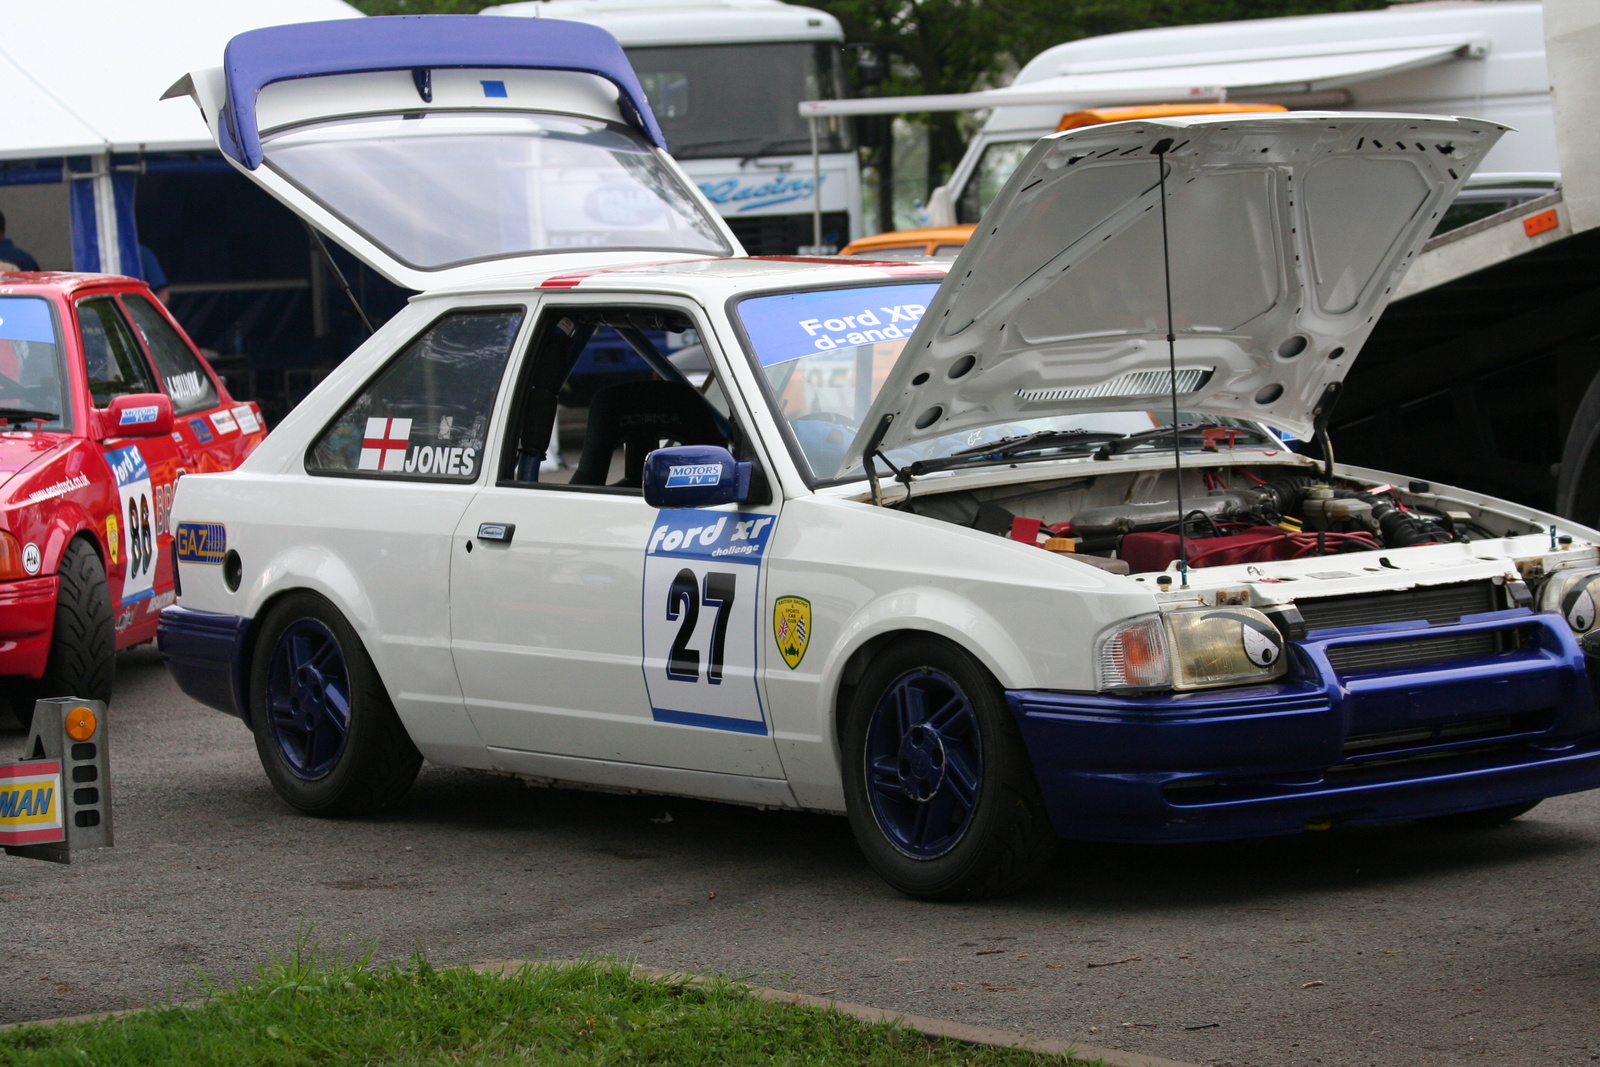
column 791, row 626
column 113, row 537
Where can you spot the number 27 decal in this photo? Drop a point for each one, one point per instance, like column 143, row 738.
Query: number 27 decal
column 702, row 573
column 684, row 598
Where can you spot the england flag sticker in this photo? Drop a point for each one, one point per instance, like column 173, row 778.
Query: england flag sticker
column 385, row 444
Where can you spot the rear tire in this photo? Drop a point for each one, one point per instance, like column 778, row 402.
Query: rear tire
column 1483, row 818
column 82, row 661
column 939, row 789
column 326, row 732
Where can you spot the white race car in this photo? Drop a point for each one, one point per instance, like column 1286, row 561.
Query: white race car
column 983, row 555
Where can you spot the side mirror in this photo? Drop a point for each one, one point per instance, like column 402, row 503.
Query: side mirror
column 138, row 415
column 694, row 476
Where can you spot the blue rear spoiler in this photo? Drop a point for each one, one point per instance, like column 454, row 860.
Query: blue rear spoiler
column 419, row 43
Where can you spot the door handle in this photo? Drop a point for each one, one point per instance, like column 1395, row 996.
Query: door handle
column 496, row 531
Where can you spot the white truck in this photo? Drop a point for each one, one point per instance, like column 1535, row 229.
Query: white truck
column 725, row 78
column 1484, row 58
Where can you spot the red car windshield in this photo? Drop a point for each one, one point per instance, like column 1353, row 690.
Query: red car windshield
column 33, row 378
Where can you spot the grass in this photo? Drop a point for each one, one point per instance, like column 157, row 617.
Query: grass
column 315, row 1007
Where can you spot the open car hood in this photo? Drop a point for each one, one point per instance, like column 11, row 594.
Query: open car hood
column 1286, row 235
column 444, row 149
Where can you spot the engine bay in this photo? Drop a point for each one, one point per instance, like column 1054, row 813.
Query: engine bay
column 1130, row 522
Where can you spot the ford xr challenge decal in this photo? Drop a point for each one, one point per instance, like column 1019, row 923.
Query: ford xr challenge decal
column 701, row 593
column 135, row 493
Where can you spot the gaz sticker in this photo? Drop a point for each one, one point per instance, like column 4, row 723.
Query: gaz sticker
column 202, row 542
column 202, row 430
column 30, row 803
column 702, row 573
column 137, row 521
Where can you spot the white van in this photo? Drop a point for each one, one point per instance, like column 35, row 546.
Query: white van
column 1483, row 58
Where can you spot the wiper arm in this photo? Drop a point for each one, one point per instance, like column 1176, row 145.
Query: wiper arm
column 28, row 415
column 1133, row 440
column 1007, row 447
column 1011, row 446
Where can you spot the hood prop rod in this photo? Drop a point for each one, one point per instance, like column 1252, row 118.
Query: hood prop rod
column 878, row 433
column 1161, row 148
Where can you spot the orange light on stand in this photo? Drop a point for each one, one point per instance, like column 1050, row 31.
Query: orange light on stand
column 81, row 724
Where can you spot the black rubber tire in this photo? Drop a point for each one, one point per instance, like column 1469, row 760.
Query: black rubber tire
column 1009, row 840
column 378, row 763
column 83, row 644
column 1483, row 818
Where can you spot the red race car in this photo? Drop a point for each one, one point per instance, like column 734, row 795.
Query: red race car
column 104, row 403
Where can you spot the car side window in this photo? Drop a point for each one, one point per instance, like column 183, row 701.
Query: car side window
column 185, row 379
column 111, row 356
column 425, row 416
column 601, row 388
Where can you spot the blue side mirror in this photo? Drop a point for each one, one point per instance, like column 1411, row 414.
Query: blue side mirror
column 694, row 476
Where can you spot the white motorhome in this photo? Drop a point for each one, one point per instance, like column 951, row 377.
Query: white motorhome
column 724, row 78
column 1484, row 58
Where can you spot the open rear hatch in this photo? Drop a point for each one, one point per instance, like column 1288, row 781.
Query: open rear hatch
column 1286, row 233
column 443, row 149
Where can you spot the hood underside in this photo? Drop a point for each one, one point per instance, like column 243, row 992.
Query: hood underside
column 1284, row 236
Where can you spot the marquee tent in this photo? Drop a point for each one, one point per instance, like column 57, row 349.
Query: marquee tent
column 82, row 81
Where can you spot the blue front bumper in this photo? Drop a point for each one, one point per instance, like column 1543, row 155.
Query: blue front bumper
column 203, row 650
column 1370, row 746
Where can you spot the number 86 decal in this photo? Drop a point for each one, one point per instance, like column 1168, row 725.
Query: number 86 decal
column 684, row 597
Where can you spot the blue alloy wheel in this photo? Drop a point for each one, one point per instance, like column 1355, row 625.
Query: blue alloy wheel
column 924, row 763
column 308, row 698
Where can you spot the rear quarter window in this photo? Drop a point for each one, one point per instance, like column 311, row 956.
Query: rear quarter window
column 425, row 416
column 186, row 381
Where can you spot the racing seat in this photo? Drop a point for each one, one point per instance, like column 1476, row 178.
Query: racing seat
column 639, row 416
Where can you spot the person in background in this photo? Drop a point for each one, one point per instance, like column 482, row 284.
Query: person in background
column 12, row 257
column 154, row 276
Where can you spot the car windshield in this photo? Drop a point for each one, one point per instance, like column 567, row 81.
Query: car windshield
column 825, row 353
column 441, row 188
column 718, row 100
column 994, row 168
column 33, row 380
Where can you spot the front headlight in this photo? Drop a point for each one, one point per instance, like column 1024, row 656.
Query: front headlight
column 1573, row 594
column 1196, row 648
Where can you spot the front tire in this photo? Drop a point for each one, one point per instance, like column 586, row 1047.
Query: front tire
column 82, row 661
column 326, row 733
column 940, row 793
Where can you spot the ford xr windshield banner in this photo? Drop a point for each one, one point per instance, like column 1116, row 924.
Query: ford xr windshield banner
column 792, row 325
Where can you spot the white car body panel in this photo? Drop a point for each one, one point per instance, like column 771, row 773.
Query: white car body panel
column 639, row 633
column 1058, row 304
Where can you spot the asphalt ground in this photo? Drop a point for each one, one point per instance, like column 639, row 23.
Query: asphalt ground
column 1405, row 945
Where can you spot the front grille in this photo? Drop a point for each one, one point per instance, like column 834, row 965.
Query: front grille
column 1435, row 604
column 782, row 235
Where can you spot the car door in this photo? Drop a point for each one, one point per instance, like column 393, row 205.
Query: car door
column 213, row 432
column 594, row 635
column 143, row 469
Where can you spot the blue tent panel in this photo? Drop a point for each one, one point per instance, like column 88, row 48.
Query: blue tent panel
column 258, row 58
